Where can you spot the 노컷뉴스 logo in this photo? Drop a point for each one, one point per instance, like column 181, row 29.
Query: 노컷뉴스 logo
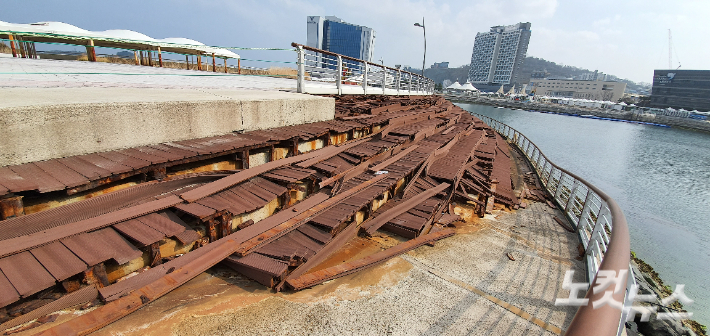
column 607, row 277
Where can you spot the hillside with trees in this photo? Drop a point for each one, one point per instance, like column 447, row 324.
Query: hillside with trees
column 531, row 64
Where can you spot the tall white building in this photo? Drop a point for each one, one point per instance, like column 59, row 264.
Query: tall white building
column 499, row 53
column 333, row 34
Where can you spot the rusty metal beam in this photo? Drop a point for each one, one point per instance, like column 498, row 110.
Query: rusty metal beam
column 372, row 225
column 312, row 279
column 293, row 223
column 102, row 316
column 393, row 159
column 229, row 181
column 19, row 244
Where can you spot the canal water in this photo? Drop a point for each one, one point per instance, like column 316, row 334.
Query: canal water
column 659, row 176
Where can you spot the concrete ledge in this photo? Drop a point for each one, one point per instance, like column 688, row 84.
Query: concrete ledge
column 46, row 123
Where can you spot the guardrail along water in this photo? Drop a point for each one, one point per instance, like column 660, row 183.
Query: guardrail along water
column 602, row 230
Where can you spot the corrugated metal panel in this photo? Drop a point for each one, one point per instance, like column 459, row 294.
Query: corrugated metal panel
column 167, row 224
column 101, row 245
column 62, row 173
column 315, row 233
column 187, row 237
column 269, row 186
column 8, row 294
column 25, row 273
column 261, row 262
column 44, row 181
column 194, row 209
column 58, row 260
column 78, row 297
column 139, row 232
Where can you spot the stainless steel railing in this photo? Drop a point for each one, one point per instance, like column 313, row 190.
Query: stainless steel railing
column 602, row 230
column 324, row 72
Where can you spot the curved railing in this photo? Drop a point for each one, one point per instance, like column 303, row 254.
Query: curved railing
column 601, row 226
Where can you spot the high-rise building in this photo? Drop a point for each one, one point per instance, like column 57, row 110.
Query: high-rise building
column 333, row 34
column 499, row 53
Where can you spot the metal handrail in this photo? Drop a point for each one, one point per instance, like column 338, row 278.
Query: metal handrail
column 601, row 226
column 339, row 74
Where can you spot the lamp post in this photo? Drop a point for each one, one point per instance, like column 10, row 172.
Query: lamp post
column 424, row 27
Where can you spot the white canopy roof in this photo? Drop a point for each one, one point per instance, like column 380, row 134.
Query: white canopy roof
column 454, row 86
column 468, row 87
column 61, row 30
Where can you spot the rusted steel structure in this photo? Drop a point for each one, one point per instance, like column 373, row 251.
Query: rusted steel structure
column 602, row 229
column 298, row 194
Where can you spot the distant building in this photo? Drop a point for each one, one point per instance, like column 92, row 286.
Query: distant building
column 441, row 65
column 499, row 53
column 125, row 54
column 594, row 76
column 580, row 89
column 333, row 34
column 681, row 89
column 540, row 74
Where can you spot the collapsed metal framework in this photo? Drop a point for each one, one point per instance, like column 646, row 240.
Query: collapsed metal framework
column 602, row 230
column 324, row 72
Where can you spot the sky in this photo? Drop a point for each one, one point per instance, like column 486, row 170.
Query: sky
column 626, row 38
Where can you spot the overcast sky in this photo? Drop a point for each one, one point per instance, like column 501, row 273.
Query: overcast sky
column 627, row 38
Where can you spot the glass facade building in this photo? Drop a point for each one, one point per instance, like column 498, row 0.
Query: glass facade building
column 681, row 89
column 333, row 34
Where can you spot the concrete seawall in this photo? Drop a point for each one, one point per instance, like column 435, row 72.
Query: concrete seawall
column 45, row 123
column 689, row 123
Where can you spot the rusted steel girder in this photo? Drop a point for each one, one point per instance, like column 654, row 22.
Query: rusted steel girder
column 302, row 218
column 312, row 279
column 115, row 310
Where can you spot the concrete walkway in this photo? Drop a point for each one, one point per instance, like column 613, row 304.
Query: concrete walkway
column 33, row 73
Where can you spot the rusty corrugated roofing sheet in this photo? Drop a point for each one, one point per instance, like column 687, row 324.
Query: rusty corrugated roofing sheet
column 137, row 231
column 58, row 260
column 261, row 262
column 187, row 237
column 25, row 273
column 164, row 221
column 99, row 246
column 22, row 243
column 8, row 294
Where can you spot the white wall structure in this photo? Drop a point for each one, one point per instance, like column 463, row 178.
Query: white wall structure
column 499, row 53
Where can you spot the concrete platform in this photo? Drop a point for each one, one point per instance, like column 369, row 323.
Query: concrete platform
column 45, row 123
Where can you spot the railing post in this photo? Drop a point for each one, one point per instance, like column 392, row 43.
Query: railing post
column 339, row 76
column 558, row 191
column 572, row 195
column 585, row 212
column 364, row 78
column 384, row 81
column 410, row 84
column 399, row 81
column 300, row 84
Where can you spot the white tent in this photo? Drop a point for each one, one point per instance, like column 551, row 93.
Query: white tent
column 454, row 86
column 66, row 33
column 468, row 87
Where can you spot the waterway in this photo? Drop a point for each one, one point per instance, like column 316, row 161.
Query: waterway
column 659, row 176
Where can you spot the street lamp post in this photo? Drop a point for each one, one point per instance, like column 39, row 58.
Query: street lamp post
column 424, row 27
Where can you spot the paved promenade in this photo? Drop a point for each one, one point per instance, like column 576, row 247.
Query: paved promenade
column 32, row 73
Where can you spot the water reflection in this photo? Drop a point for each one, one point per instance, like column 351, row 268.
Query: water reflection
column 659, row 176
